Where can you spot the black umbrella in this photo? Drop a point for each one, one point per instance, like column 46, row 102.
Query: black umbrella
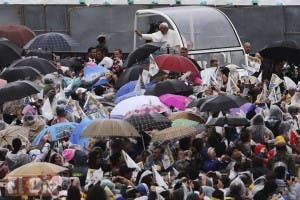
column 8, row 52
column 70, row 62
column 20, row 73
column 149, row 121
column 17, row 90
column 142, row 52
column 283, row 50
column 228, row 120
column 39, row 53
column 222, row 103
column 171, row 87
column 130, row 74
column 52, row 42
column 40, row 64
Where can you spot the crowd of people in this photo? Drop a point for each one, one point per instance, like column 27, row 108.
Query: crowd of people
column 258, row 161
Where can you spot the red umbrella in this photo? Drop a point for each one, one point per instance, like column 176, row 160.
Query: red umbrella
column 17, row 33
column 175, row 63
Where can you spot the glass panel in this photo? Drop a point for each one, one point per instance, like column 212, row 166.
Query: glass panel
column 223, row 58
column 203, row 27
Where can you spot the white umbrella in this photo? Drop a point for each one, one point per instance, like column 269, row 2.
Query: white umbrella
column 133, row 103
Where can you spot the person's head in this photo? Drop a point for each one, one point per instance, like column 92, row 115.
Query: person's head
column 180, row 154
column 163, row 27
column 126, row 172
column 17, row 144
column 118, row 53
column 184, row 52
column 218, row 194
column 247, row 47
column 157, row 153
column 60, row 111
column 101, row 38
column 56, row 159
column 92, row 52
column 211, row 153
column 96, row 192
column 214, row 63
column 73, row 193
column 100, row 54
column 95, row 158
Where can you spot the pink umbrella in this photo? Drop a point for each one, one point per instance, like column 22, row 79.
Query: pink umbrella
column 2, row 82
column 148, row 108
column 176, row 101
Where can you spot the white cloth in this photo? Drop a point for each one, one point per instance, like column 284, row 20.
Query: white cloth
column 170, row 37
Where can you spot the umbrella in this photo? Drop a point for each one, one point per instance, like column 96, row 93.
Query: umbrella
column 110, row 128
column 174, row 132
column 17, row 33
column 57, row 131
column 228, row 120
column 149, row 121
column 222, row 103
column 39, row 53
column 75, row 137
column 133, row 103
column 176, row 101
column 40, row 64
column 8, row 53
column 243, row 109
column 52, row 41
column 70, row 62
column 186, row 115
column 287, row 50
column 12, row 132
column 184, row 122
column 175, row 63
column 148, row 108
column 170, row 86
column 129, row 87
column 17, row 90
column 130, row 74
column 3, row 82
column 141, row 53
column 20, row 73
column 36, row 169
column 204, row 99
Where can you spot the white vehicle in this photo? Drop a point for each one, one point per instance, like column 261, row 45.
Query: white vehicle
column 205, row 31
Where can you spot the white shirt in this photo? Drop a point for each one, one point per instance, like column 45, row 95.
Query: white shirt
column 170, row 37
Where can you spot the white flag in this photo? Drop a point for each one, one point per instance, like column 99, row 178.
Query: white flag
column 138, row 87
column 229, row 86
column 47, row 110
column 278, row 94
column 259, row 78
column 176, row 173
column 289, row 83
column 153, row 68
column 159, row 179
column 275, row 81
column 145, row 77
column 129, row 162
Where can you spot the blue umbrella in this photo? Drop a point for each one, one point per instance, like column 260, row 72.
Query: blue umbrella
column 57, row 131
column 129, row 87
column 52, row 41
column 126, row 96
column 78, row 130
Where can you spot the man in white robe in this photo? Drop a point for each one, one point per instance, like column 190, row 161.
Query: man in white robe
column 163, row 35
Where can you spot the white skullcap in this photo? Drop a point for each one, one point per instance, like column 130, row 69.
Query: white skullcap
column 165, row 24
